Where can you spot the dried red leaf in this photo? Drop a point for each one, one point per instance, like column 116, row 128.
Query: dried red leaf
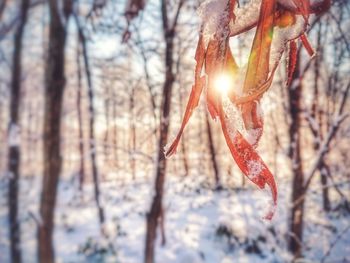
column 217, row 58
column 194, row 96
column 307, row 45
column 248, row 160
column 258, row 64
column 303, row 7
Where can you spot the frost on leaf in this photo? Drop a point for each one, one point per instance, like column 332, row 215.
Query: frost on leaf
column 278, row 24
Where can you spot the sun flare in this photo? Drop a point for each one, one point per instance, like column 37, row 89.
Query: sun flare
column 222, row 83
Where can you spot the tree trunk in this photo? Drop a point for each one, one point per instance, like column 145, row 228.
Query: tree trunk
column 156, row 208
column 316, row 114
column 184, row 155
column 297, row 200
column 92, row 140
column 183, row 140
column 202, row 160
column 54, row 87
column 212, row 152
column 2, row 7
column 80, row 124
column 115, row 134
column 106, row 145
column 132, row 139
column 156, row 212
column 325, row 173
column 14, row 150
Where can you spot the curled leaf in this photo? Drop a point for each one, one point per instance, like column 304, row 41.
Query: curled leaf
column 247, row 159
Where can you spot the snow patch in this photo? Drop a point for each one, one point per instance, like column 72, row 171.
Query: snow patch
column 254, row 169
column 253, row 135
column 281, row 35
column 246, row 15
column 233, row 118
column 213, row 14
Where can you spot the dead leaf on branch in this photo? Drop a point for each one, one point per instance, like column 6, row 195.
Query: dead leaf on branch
column 279, row 25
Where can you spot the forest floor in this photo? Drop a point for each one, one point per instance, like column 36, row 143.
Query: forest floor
column 201, row 224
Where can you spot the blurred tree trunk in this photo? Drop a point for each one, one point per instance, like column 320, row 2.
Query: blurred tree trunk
column 2, row 7
column 106, row 145
column 325, row 173
column 54, row 87
column 80, row 124
column 184, row 155
column 297, row 200
column 92, row 139
column 115, row 133
column 14, row 150
column 132, row 140
column 156, row 208
column 316, row 115
column 301, row 180
column 183, row 141
column 30, row 113
column 202, row 159
column 212, row 151
column 156, row 213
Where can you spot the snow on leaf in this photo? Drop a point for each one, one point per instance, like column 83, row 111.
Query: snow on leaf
column 212, row 13
column 254, row 169
column 247, row 17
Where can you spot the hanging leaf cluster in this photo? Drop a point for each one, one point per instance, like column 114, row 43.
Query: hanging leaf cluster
column 279, row 26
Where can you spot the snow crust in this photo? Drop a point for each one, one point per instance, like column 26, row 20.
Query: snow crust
column 253, row 136
column 280, row 38
column 202, row 225
column 254, row 168
column 233, row 118
column 213, row 14
column 246, row 15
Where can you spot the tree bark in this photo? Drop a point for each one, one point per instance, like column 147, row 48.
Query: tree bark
column 92, row 140
column 54, row 88
column 212, row 152
column 325, row 173
column 183, row 140
column 132, row 139
column 14, row 147
column 156, row 208
column 2, row 7
column 316, row 114
column 106, row 145
column 115, row 133
column 80, row 124
column 297, row 199
column 156, row 213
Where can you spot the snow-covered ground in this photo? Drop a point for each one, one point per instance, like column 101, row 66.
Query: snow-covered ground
column 202, row 225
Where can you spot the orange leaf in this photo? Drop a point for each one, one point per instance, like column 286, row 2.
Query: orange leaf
column 194, row 96
column 248, row 160
column 258, row 64
column 303, row 6
column 307, row 45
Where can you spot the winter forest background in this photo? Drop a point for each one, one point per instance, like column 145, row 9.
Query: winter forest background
column 81, row 142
